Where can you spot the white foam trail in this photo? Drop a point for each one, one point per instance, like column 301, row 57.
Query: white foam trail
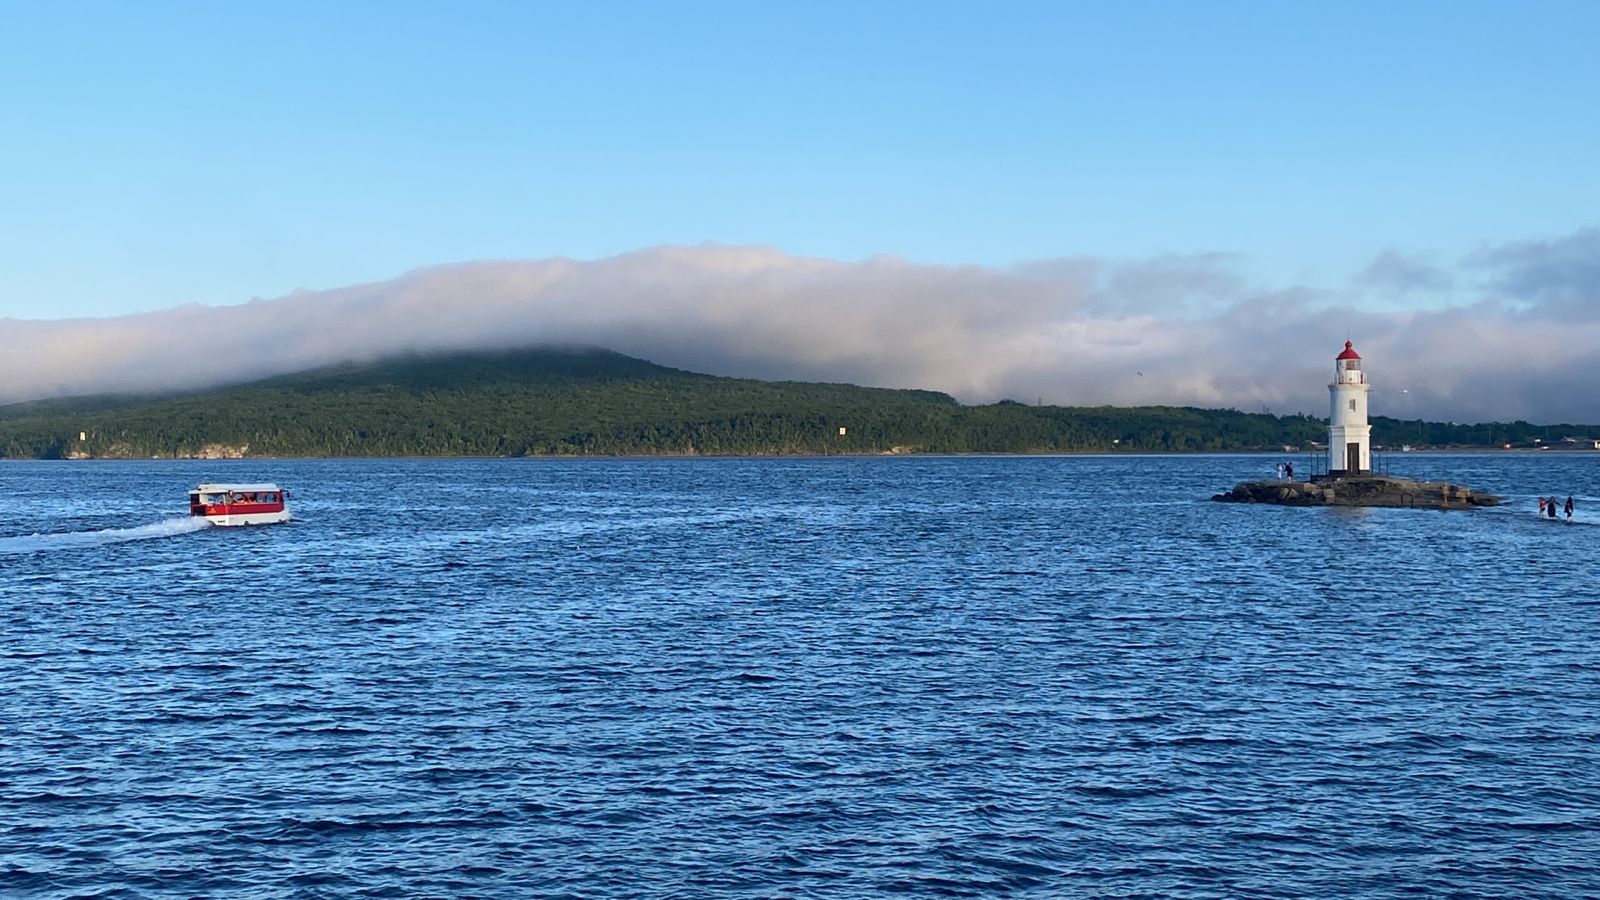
column 36, row 542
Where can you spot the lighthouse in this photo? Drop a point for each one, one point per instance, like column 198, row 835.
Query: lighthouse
column 1349, row 480
column 1349, row 435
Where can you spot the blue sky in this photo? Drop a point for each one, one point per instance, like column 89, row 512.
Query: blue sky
column 158, row 154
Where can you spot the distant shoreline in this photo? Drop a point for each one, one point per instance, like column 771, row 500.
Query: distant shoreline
column 1096, row 454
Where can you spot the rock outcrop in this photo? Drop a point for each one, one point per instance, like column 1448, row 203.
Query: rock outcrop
column 1359, row 490
column 123, row 451
column 221, row 451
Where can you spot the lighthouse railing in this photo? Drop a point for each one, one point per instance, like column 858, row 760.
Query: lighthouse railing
column 1315, row 463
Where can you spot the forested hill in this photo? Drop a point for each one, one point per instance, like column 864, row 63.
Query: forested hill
column 568, row 402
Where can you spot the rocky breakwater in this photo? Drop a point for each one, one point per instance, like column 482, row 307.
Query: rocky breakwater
column 1359, row 490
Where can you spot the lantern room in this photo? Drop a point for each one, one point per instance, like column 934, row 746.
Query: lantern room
column 1347, row 366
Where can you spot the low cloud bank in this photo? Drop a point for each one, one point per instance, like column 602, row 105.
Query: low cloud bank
column 1524, row 343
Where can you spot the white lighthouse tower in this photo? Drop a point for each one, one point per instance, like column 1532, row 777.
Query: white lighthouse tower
column 1349, row 435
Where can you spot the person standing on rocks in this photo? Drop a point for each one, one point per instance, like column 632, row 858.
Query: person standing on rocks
column 1288, row 471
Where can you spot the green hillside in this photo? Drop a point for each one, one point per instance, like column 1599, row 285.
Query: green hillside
column 570, row 402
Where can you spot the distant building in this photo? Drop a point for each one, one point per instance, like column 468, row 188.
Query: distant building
column 1349, row 435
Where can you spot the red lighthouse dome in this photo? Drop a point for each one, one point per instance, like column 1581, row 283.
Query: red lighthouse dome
column 1349, row 352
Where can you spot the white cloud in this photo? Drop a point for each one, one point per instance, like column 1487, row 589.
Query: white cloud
column 1177, row 330
column 1394, row 271
column 1559, row 278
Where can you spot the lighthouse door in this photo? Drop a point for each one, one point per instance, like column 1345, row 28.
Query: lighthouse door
column 1352, row 454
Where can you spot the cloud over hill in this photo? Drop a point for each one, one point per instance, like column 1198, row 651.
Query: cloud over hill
column 1522, row 342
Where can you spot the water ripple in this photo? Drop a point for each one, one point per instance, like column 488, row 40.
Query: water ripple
column 795, row 678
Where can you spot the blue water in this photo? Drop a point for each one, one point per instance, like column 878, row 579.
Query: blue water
column 796, row 678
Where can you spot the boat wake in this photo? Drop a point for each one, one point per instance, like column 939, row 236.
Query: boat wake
column 32, row 543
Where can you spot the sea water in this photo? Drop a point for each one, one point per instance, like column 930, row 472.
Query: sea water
column 710, row 678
